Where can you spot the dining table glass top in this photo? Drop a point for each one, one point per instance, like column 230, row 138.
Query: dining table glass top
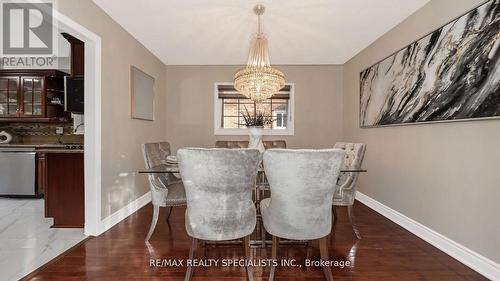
column 174, row 169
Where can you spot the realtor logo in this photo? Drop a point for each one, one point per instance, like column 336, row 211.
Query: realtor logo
column 27, row 28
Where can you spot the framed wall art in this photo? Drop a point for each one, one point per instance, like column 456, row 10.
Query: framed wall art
column 450, row 74
column 141, row 94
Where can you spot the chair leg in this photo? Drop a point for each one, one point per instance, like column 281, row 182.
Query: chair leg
column 350, row 213
column 308, row 250
column 154, row 220
column 335, row 215
column 192, row 254
column 248, row 256
column 274, row 249
column 262, row 233
column 169, row 212
column 203, row 246
column 323, row 249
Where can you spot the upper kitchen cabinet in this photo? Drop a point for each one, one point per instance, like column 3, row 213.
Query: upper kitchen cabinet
column 77, row 55
column 32, row 95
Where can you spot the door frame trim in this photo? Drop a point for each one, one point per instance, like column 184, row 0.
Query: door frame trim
column 92, row 126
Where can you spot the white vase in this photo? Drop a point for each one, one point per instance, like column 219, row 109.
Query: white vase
column 255, row 135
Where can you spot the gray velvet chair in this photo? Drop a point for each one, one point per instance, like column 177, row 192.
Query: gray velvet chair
column 345, row 191
column 302, row 184
column 274, row 144
column 262, row 186
column 166, row 189
column 231, row 144
column 219, row 184
column 244, row 144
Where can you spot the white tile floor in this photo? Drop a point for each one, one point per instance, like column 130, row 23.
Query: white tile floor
column 26, row 239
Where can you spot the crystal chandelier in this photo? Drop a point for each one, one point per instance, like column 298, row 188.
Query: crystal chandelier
column 259, row 81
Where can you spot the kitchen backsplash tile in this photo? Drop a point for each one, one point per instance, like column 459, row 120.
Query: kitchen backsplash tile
column 41, row 132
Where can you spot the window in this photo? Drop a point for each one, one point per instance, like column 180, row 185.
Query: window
column 280, row 119
column 231, row 105
column 234, row 108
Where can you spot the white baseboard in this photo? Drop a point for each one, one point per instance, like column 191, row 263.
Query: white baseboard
column 475, row 261
column 124, row 212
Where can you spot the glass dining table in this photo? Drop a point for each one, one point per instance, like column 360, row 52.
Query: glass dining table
column 261, row 187
column 174, row 169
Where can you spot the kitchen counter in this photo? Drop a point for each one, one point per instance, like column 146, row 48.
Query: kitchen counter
column 43, row 148
column 60, row 150
column 34, row 145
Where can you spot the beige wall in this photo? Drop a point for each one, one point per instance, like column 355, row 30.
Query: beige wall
column 445, row 176
column 318, row 104
column 121, row 135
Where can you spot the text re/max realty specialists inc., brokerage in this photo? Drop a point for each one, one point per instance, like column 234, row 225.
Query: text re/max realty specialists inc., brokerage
column 172, row 262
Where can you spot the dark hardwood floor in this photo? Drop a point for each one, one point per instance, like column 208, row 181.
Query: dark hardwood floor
column 386, row 252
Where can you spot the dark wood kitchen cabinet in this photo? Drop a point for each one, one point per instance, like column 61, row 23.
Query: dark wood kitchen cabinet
column 32, row 95
column 64, row 189
column 41, row 173
column 77, row 55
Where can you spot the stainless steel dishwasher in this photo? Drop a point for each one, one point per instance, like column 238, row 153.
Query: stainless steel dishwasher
column 17, row 171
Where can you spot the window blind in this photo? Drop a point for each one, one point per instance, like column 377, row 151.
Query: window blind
column 229, row 92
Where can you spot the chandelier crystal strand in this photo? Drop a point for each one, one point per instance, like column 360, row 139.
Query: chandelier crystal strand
column 259, row 81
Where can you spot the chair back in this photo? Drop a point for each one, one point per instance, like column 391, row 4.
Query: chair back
column 244, row 144
column 345, row 192
column 302, row 183
column 355, row 152
column 274, row 144
column 231, row 144
column 219, row 184
column 155, row 153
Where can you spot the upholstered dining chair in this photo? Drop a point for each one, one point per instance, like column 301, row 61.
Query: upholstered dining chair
column 166, row 189
column 274, row 144
column 345, row 191
column 262, row 186
column 231, row 144
column 302, row 184
column 244, row 144
column 219, row 184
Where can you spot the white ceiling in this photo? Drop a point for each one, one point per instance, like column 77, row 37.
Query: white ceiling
column 200, row 32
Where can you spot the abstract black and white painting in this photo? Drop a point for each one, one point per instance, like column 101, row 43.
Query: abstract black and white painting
column 450, row 74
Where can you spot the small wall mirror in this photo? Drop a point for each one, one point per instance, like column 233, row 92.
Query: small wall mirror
column 141, row 94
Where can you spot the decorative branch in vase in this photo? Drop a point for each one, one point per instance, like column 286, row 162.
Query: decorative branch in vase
column 255, row 123
column 258, row 119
